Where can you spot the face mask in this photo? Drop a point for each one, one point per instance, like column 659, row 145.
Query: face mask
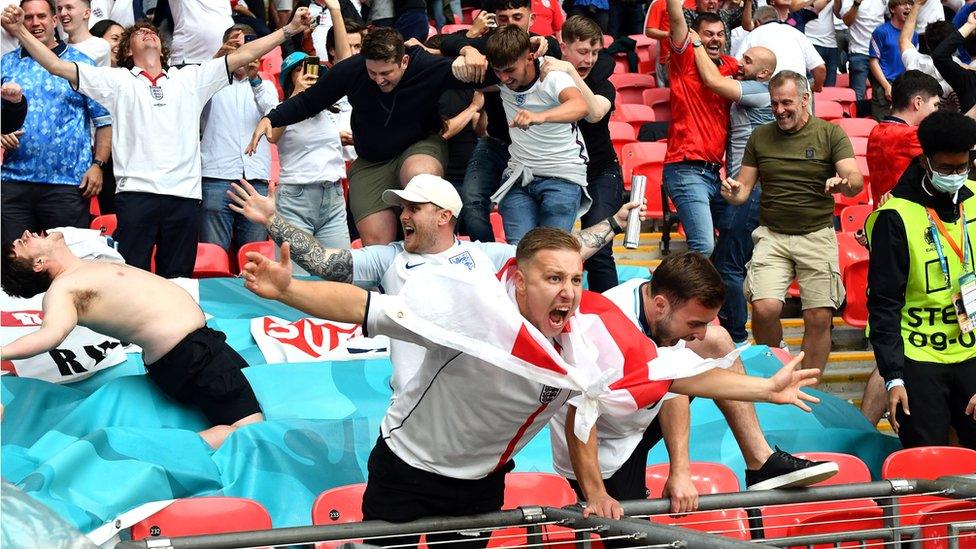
column 948, row 184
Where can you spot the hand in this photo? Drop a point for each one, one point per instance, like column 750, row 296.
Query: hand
column 887, row 91
column 412, row 42
column 11, row 141
column 262, row 130
column 692, row 35
column 539, row 46
column 884, row 198
column 470, row 66
column 550, row 64
column 836, row 185
column 683, row 494
column 267, row 277
column 252, row 69
column 346, row 138
column 12, row 19
column 11, row 92
column 247, row 201
column 623, row 214
column 305, row 81
column 603, row 506
column 523, row 119
column 229, row 46
column 971, row 20
column 301, row 22
column 971, row 407
column 899, row 396
column 91, row 182
column 786, row 384
column 731, row 189
column 481, row 24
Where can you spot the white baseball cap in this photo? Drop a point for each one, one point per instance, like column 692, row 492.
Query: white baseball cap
column 426, row 188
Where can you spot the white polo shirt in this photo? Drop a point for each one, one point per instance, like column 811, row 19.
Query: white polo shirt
column 387, row 269
column 198, row 29
column 156, row 145
column 793, row 49
column 820, row 31
column 310, row 151
column 870, row 14
column 98, row 49
column 459, row 416
column 617, row 437
column 228, row 121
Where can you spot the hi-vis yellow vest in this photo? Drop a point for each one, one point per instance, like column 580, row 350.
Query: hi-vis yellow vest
column 929, row 328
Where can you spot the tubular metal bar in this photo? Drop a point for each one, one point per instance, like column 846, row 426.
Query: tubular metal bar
column 955, row 530
column 885, row 534
column 649, row 533
column 353, row 530
column 960, row 486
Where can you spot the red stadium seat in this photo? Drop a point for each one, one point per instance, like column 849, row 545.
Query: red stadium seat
column 860, row 145
column 782, row 354
column 212, row 261
column 708, row 478
column 852, row 218
column 338, row 506
column 856, row 127
column 468, row 14
column 849, row 251
column 638, row 154
column 451, row 29
column 635, row 115
column 545, row 489
column 621, row 133
column 204, row 515
column 926, row 462
column 659, row 99
column 105, row 224
column 838, row 521
column 844, row 96
column 271, row 63
column 630, row 86
column 646, row 53
column 497, row 226
column 850, row 469
column 843, row 80
column 936, row 516
column 828, row 110
column 264, row 247
column 94, row 209
column 842, row 201
column 607, row 40
column 856, row 285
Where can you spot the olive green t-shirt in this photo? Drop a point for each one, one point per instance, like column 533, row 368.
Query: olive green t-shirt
column 793, row 169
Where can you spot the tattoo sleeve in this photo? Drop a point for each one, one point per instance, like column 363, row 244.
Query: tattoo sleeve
column 327, row 263
column 595, row 237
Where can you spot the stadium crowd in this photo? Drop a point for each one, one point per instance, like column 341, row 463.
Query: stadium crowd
column 382, row 133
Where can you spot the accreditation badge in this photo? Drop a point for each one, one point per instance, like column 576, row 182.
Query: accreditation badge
column 965, row 303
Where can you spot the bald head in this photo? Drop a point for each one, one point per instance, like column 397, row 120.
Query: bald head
column 758, row 63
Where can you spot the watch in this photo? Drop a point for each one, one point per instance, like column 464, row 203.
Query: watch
column 696, row 44
column 100, row 163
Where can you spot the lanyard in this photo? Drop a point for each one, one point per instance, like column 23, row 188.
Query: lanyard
column 937, row 227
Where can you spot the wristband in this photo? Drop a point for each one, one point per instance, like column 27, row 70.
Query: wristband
column 617, row 229
column 255, row 82
column 897, row 382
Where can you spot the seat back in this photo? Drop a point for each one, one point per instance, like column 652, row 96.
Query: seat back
column 856, row 127
column 105, row 224
column 621, row 133
column 659, row 99
column 836, row 522
column 338, row 505
column 203, row 515
column 212, row 261
column 935, row 519
column 708, row 478
column 263, row 247
column 926, row 462
column 849, row 251
column 852, row 218
column 845, row 96
column 828, row 110
column 635, row 154
column 451, row 29
column 635, row 115
column 547, row 489
column 860, row 145
column 497, row 226
column 856, row 284
column 630, row 86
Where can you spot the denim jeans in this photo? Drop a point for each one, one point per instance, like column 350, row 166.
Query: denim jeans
column 413, row 23
column 732, row 252
column 606, row 190
column 488, row 161
column 831, row 57
column 221, row 226
column 695, row 189
column 318, row 208
column 859, row 64
column 437, row 6
column 545, row 202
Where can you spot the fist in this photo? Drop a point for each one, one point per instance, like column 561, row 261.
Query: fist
column 11, row 92
column 12, row 18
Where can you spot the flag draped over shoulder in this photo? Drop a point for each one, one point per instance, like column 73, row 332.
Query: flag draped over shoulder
column 614, row 365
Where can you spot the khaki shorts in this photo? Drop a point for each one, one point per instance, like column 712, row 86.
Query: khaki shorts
column 368, row 180
column 810, row 258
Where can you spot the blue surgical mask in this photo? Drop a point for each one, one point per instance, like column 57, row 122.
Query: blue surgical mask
column 949, row 184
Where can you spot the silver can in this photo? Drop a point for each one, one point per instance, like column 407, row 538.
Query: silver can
column 632, row 238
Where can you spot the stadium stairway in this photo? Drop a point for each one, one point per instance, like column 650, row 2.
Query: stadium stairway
column 851, row 359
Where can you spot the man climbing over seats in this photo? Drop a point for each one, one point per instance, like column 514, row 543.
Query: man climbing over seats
column 190, row 362
column 439, row 453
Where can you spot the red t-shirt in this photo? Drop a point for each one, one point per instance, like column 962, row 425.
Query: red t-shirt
column 891, row 148
column 699, row 116
column 548, row 17
column 657, row 18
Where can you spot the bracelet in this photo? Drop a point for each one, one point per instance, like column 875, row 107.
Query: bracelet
column 617, row 229
column 254, row 82
column 897, row 382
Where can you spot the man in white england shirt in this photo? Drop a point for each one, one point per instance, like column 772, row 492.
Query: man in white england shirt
column 73, row 16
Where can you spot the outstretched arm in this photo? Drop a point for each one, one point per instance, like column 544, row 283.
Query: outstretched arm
column 597, row 236
column 908, row 29
column 253, row 50
column 13, row 23
column 726, row 87
column 586, row 467
column 60, row 317
column 679, row 27
column 333, row 301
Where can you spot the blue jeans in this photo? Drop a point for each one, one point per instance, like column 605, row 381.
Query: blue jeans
column 318, row 208
column 438, row 8
column 413, row 24
column 606, row 190
column 831, row 57
column 221, row 226
column 488, row 161
column 732, row 252
column 859, row 63
column 545, row 202
column 695, row 189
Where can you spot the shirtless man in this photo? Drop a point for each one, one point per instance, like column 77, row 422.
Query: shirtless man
column 190, row 362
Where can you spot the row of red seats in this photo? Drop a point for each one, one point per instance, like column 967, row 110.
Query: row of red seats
column 209, row 515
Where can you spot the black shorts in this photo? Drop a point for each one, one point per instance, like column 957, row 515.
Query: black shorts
column 204, row 371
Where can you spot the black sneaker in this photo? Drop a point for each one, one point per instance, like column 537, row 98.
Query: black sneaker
column 784, row 470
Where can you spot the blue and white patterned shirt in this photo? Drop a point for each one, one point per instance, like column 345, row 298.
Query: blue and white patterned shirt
column 56, row 147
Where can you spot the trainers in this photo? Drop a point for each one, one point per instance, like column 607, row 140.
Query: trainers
column 784, row 470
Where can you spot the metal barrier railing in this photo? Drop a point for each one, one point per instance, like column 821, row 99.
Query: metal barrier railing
column 633, row 530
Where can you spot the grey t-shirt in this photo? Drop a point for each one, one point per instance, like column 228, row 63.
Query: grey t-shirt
column 751, row 110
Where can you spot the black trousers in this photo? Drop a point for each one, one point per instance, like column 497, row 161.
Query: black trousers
column 37, row 207
column 170, row 223
column 606, row 189
column 398, row 492
column 937, row 398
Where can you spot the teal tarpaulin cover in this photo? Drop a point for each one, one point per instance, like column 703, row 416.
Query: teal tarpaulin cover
column 104, row 445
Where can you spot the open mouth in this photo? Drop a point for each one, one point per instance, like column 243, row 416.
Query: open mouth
column 408, row 231
column 557, row 316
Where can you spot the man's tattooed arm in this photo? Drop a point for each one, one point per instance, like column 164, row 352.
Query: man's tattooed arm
column 328, row 263
column 595, row 237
